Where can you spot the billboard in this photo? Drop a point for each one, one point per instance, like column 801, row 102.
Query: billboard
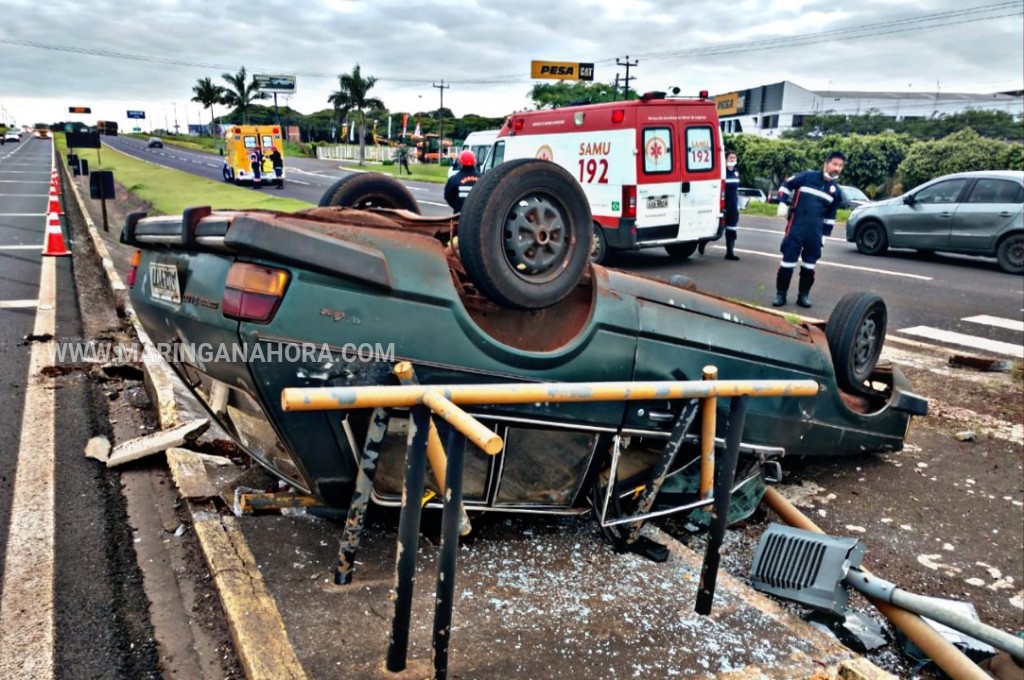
column 561, row 70
column 731, row 104
column 136, row 114
column 272, row 83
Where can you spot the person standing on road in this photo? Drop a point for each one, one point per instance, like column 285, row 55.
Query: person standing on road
column 256, row 161
column 813, row 198
column 277, row 161
column 403, row 159
column 732, row 204
column 460, row 184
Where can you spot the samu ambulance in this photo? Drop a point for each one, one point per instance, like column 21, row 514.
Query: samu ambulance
column 652, row 168
column 240, row 143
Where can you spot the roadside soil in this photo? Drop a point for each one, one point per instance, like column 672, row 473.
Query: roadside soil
column 942, row 518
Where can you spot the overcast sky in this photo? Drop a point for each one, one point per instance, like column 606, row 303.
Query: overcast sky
column 148, row 55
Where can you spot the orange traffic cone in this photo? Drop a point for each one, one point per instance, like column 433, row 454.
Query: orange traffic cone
column 54, row 244
column 54, row 203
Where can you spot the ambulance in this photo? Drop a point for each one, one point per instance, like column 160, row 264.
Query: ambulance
column 240, row 142
column 652, row 168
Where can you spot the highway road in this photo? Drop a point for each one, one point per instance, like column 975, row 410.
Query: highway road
column 964, row 303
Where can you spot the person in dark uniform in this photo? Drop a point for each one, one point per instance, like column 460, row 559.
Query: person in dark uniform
column 403, row 159
column 460, row 184
column 813, row 198
column 732, row 204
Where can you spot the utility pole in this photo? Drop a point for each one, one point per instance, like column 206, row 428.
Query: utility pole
column 627, row 64
column 440, row 138
column 616, row 98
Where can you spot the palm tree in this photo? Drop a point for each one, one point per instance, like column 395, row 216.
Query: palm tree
column 241, row 94
column 208, row 94
column 351, row 96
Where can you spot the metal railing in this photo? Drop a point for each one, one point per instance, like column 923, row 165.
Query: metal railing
column 444, row 401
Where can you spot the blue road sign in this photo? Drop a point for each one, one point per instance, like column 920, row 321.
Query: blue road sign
column 136, row 114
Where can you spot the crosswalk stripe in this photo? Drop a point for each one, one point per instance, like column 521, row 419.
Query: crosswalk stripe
column 18, row 304
column 972, row 341
column 999, row 322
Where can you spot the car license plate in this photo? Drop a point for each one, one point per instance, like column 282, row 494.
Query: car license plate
column 163, row 282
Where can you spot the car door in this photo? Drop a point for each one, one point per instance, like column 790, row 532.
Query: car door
column 701, row 188
column 657, row 200
column 927, row 220
column 989, row 208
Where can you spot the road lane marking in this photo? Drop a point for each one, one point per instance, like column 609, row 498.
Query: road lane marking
column 22, row 214
column 998, row 322
column 26, row 605
column 825, row 263
column 18, row 304
column 21, row 247
column 440, row 205
column 24, row 181
column 972, row 341
column 299, row 181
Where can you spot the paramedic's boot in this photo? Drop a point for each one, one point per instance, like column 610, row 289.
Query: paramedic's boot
column 730, row 243
column 701, row 246
column 806, row 281
column 782, row 280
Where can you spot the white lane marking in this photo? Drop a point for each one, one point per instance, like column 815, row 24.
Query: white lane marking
column 18, row 304
column 442, row 205
column 416, row 188
column 22, row 214
column 24, row 181
column 826, row 263
column 780, row 232
column 299, row 181
column 998, row 322
column 972, row 341
column 26, row 605
column 21, row 247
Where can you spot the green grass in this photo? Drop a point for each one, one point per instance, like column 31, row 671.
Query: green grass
column 770, row 209
column 170, row 191
column 215, row 144
column 421, row 173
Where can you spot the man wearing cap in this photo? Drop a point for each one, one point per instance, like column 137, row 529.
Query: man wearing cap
column 460, row 184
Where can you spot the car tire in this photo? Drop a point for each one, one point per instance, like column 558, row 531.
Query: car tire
column 1010, row 254
column 872, row 239
column 598, row 246
column 856, row 332
column 681, row 251
column 364, row 191
column 525, row 232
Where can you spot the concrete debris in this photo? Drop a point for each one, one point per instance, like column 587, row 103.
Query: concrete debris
column 190, row 474
column 98, row 448
column 966, row 436
column 986, row 364
column 147, row 445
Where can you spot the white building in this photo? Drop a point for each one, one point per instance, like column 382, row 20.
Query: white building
column 770, row 110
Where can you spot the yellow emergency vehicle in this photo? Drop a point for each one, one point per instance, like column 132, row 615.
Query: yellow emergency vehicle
column 254, row 154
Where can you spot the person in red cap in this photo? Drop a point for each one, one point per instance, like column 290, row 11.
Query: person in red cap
column 460, row 184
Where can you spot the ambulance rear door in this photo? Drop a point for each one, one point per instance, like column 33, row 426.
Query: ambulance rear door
column 657, row 191
column 700, row 188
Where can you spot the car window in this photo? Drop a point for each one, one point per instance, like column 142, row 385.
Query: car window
column 989, row 190
column 942, row 192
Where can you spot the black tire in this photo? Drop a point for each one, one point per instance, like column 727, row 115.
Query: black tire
column 525, row 233
column 856, row 332
column 1010, row 254
column 598, row 246
column 872, row 239
column 681, row 251
column 369, row 190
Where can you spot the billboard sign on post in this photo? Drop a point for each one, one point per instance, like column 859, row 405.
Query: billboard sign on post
column 275, row 83
column 136, row 114
column 561, row 70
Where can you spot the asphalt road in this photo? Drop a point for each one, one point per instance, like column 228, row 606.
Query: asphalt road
column 964, row 303
column 71, row 598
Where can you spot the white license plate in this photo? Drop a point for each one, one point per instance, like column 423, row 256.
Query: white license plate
column 163, row 282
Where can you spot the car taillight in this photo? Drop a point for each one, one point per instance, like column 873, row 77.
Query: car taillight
column 253, row 292
column 136, row 258
column 628, row 201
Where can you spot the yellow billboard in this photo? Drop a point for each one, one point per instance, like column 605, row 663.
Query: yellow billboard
column 561, row 70
column 728, row 104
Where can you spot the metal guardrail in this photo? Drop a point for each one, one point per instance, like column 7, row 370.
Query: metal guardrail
column 444, row 400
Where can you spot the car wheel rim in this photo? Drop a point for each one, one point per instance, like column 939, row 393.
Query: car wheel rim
column 1015, row 253
column 871, row 238
column 864, row 344
column 536, row 239
column 595, row 246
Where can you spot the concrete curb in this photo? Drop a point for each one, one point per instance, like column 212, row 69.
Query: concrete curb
column 257, row 628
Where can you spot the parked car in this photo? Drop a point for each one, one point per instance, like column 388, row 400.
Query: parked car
column 853, row 197
column 748, row 194
column 155, row 143
column 468, row 311
column 12, row 136
column 972, row 213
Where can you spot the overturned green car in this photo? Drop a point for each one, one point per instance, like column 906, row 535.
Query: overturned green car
column 254, row 302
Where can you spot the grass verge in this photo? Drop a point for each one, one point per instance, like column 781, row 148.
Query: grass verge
column 762, row 209
column 437, row 174
column 171, row 191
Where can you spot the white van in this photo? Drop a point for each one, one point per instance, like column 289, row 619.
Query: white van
column 479, row 143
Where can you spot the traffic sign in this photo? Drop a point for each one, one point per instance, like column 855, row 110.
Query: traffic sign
column 79, row 109
column 136, row 114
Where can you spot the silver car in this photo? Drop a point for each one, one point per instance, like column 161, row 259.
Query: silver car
column 972, row 213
